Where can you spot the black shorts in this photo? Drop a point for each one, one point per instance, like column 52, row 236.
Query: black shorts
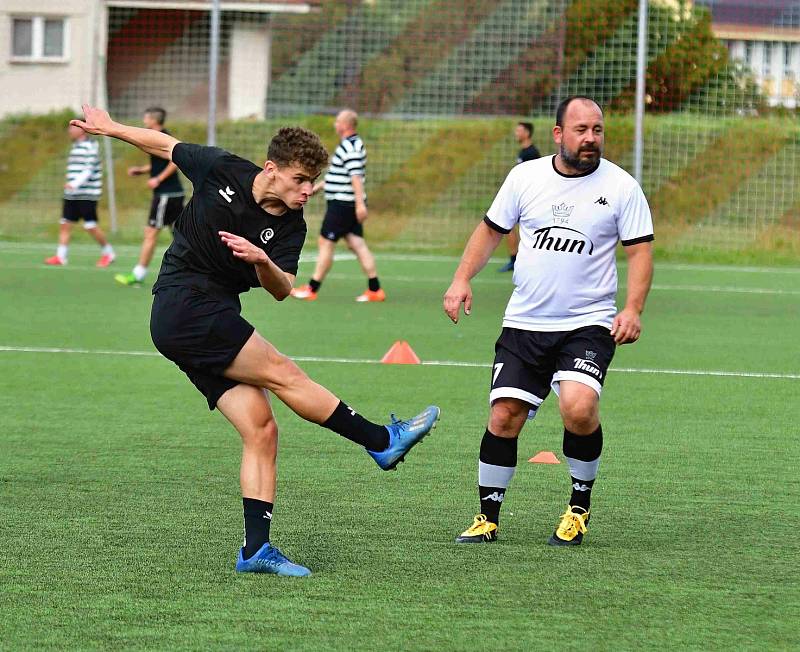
column 340, row 219
column 80, row 209
column 202, row 333
column 164, row 210
column 528, row 364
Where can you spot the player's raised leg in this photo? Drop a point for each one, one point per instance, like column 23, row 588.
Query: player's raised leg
column 260, row 364
column 359, row 247
column 583, row 442
column 497, row 463
column 249, row 411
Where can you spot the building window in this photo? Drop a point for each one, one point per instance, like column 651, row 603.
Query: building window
column 748, row 52
column 39, row 38
column 766, row 60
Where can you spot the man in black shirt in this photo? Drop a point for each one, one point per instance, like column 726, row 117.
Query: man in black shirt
column 244, row 228
column 167, row 201
column 523, row 132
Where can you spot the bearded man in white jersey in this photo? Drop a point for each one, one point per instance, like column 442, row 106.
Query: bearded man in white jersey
column 561, row 326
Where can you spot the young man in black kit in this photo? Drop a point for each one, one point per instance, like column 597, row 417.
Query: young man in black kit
column 244, row 228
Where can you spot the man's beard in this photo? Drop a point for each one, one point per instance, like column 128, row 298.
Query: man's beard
column 576, row 162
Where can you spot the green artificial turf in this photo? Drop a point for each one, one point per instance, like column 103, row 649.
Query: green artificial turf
column 120, row 515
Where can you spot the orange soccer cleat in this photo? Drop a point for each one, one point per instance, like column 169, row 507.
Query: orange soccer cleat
column 369, row 295
column 105, row 260
column 304, row 292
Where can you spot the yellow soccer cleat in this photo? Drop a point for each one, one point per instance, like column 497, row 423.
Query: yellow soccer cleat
column 481, row 531
column 571, row 528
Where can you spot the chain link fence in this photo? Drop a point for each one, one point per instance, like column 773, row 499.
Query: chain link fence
column 440, row 85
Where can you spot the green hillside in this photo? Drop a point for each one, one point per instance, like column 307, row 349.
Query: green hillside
column 714, row 185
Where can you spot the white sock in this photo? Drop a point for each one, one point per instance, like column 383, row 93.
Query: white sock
column 108, row 250
column 61, row 252
column 139, row 272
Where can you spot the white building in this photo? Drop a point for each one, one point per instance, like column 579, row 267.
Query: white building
column 765, row 36
column 55, row 54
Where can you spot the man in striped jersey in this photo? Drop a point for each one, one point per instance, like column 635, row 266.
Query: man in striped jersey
column 167, row 201
column 346, row 211
column 82, row 191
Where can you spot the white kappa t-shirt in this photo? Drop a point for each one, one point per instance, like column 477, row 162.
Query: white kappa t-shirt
column 565, row 273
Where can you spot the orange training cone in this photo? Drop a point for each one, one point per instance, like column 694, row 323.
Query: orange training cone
column 401, row 353
column 545, row 457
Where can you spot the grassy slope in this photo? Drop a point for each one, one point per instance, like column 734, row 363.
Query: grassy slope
column 121, row 513
column 449, row 169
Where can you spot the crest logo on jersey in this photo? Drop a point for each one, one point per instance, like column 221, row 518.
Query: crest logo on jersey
column 226, row 194
column 562, row 238
column 562, row 210
column 266, row 235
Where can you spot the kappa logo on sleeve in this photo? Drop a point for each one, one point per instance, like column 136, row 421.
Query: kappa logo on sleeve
column 226, row 194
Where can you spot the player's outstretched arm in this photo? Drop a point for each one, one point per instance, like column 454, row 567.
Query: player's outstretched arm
column 627, row 325
column 98, row 122
column 482, row 243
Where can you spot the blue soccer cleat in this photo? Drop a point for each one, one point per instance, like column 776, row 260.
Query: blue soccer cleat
column 403, row 435
column 269, row 559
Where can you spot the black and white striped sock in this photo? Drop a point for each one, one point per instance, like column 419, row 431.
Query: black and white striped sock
column 496, row 466
column 583, row 457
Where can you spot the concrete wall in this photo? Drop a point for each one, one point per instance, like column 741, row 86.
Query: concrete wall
column 248, row 76
column 39, row 87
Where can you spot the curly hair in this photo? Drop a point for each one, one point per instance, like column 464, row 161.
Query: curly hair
column 298, row 146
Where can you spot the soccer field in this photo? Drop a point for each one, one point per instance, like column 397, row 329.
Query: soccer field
column 120, row 515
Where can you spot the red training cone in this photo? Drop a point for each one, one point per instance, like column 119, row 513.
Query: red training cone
column 545, row 457
column 401, row 353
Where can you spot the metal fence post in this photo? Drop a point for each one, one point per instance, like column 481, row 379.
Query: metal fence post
column 641, row 69
column 213, row 63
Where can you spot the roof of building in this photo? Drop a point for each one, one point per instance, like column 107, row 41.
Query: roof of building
column 262, row 6
column 763, row 13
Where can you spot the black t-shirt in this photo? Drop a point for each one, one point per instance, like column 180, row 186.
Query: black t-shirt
column 172, row 184
column 528, row 154
column 223, row 201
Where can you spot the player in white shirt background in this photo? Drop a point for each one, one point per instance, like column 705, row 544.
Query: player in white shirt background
column 561, row 324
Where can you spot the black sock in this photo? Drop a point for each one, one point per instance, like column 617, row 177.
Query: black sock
column 583, row 456
column 351, row 425
column 496, row 466
column 374, row 284
column 314, row 285
column 257, row 519
column 513, row 259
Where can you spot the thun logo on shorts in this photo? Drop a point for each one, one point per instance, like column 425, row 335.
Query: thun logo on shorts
column 588, row 367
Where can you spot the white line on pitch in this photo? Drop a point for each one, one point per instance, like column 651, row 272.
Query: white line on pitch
column 426, row 363
column 480, row 280
column 88, row 249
